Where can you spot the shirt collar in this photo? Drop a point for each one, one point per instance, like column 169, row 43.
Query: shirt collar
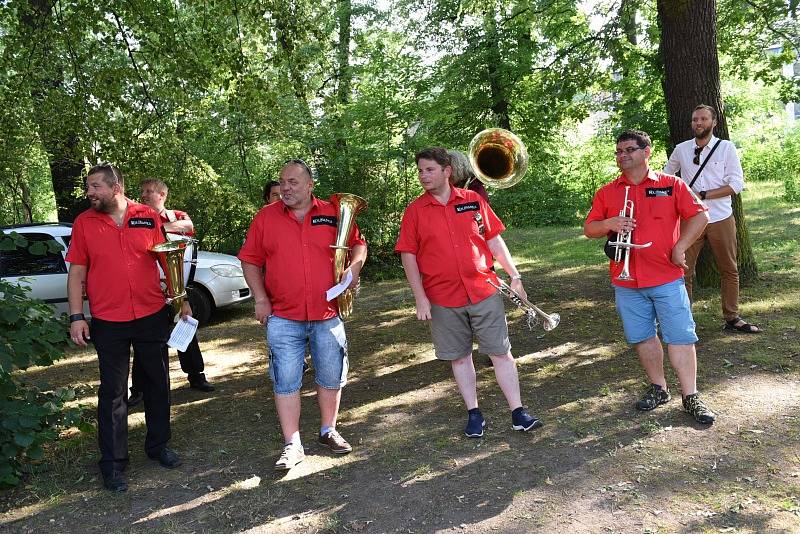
column 708, row 145
column 455, row 193
column 651, row 175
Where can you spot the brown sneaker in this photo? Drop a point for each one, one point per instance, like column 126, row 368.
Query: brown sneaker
column 335, row 442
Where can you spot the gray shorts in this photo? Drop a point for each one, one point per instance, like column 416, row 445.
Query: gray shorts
column 452, row 329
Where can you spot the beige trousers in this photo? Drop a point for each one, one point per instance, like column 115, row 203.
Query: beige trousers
column 721, row 237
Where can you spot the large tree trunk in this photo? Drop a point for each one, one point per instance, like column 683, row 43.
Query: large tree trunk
column 688, row 50
column 61, row 144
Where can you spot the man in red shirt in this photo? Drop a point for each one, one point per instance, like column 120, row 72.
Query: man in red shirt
column 449, row 238
column 670, row 217
column 287, row 261
column 175, row 223
column 110, row 256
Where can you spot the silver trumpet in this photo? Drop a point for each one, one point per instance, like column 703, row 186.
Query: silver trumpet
column 533, row 313
column 624, row 242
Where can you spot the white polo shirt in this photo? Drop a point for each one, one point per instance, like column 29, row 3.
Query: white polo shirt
column 724, row 168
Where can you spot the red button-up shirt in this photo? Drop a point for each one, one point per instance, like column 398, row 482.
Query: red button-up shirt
column 660, row 202
column 179, row 216
column 449, row 242
column 298, row 258
column 122, row 279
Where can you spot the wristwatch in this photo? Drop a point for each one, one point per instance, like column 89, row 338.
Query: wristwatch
column 76, row 317
column 517, row 277
column 702, row 195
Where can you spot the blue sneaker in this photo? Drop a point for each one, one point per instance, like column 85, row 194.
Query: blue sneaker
column 475, row 424
column 521, row 420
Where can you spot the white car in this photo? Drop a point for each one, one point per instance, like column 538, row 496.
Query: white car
column 218, row 279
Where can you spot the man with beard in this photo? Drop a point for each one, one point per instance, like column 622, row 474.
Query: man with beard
column 720, row 179
column 287, row 262
column 110, row 256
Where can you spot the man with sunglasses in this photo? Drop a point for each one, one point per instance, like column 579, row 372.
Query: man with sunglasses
column 110, row 256
column 667, row 215
column 287, row 261
column 720, row 178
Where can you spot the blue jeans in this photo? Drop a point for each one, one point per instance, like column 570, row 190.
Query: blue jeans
column 287, row 340
column 667, row 306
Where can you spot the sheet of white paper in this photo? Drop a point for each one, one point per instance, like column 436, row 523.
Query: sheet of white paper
column 183, row 333
column 339, row 288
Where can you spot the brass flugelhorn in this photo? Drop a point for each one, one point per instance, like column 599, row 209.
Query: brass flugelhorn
column 170, row 257
column 348, row 206
column 533, row 313
column 624, row 243
column 498, row 158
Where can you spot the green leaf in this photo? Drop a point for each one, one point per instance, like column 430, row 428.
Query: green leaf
column 23, row 439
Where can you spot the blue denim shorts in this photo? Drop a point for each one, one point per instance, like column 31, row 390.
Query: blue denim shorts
column 667, row 306
column 287, row 342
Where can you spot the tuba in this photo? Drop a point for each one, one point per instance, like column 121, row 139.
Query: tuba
column 498, row 158
column 348, row 207
column 170, row 257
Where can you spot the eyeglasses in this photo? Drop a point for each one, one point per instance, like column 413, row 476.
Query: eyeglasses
column 629, row 151
column 696, row 159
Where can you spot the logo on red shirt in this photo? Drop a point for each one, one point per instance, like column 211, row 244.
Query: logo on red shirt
column 324, row 219
column 469, row 206
column 141, row 222
column 658, row 191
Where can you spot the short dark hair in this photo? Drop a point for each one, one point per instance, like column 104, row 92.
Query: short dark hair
column 708, row 108
column 435, row 153
column 268, row 188
column 111, row 175
column 641, row 138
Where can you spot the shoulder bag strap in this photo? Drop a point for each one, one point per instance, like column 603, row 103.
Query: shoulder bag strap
column 713, row 148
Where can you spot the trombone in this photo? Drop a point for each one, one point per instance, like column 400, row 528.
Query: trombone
column 624, row 243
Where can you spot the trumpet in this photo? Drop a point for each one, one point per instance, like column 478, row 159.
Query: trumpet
column 533, row 313
column 624, row 243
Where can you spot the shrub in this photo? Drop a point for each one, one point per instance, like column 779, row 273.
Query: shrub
column 30, row 335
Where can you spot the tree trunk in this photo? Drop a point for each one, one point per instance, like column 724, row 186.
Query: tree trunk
column 688, row 50
column 61, row 144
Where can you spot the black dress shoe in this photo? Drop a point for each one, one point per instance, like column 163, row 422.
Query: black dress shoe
column 135, row 398
column 167, row 458
column 115, row 481
column 200, row 383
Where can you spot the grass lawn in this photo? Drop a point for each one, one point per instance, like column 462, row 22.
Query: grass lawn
column 596, row 466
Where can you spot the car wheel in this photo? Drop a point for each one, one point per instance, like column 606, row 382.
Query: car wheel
column 201, row 304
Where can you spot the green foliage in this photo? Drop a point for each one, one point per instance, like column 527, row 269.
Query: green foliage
column 29, row 335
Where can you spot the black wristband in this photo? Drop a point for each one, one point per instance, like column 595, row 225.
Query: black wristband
column 76, row 317
column 702, row 195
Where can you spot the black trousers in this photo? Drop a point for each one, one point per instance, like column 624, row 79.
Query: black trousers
column 191, row 362
column 113, row 341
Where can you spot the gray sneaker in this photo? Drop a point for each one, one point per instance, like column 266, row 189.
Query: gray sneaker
column 291, row 456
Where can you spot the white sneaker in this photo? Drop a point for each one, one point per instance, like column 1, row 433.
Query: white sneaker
column 291, row 456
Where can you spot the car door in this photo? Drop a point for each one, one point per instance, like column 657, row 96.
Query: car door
column 45, row 275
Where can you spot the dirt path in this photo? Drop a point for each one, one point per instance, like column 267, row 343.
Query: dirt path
column 596, row 466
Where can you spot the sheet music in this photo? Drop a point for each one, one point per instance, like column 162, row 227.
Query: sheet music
column 339, row 288
column 183, row 333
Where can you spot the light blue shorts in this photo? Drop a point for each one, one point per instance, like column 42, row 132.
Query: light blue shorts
column 666, row 306
column 287, row 342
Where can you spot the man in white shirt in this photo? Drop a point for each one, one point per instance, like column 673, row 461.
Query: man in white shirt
column 720, row 179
